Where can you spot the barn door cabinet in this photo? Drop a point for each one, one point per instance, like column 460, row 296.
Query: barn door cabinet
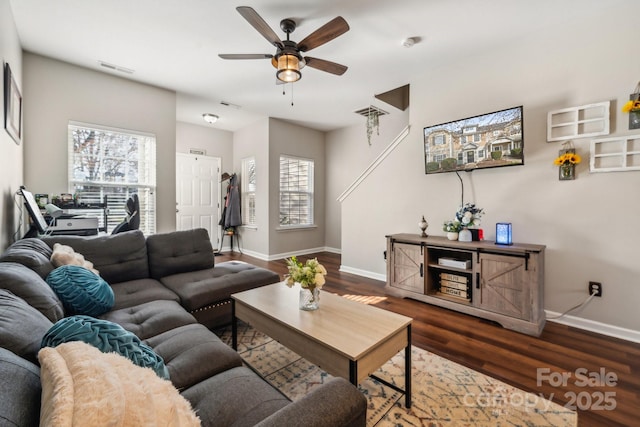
column 500, row 283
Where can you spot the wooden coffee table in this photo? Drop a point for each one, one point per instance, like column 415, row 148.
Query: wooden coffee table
column 345, row 338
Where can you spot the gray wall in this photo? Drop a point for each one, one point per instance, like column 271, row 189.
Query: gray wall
column 348, row 154
column 216, row 142
column 587, row 225
column 57, row 92
column 253, row 141
column 11, row 172
column 297, row 141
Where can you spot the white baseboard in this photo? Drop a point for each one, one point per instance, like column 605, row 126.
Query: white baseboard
column 573, row 321
column 363, row 273
column 598, row 327
column 577, row 322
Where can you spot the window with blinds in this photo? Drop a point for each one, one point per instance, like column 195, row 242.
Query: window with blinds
column 296, row 191
column 112, row 164
column 248, row 196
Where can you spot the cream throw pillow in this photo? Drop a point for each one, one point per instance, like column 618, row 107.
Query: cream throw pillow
column 65, row 255
column 81, row 386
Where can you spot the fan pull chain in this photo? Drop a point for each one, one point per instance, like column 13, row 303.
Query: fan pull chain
column 292, row 94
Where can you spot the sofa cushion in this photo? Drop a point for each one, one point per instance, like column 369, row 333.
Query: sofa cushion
column 178, row 252
column 201, row 288
column 32, row 253
column 21, row 326
column 151, row 318
column 83, row 387
column 107, row 337
column 119, row 257
column 81, row 291
column 28, row 285
column 20, row 390
column 246, row 400
column 135, row 292
column 192, row 354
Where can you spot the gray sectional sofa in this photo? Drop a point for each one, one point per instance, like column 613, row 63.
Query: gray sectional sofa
column 169, row 293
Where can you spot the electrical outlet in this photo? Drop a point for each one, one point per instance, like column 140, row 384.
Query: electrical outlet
column 595, row 287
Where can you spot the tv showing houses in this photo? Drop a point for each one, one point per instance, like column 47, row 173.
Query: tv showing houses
column 480, row 142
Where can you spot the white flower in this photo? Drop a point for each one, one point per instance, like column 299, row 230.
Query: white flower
column 319, row 280
column 309, row 275
column 466, row 220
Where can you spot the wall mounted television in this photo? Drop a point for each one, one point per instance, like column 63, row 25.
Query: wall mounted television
column 481, row 142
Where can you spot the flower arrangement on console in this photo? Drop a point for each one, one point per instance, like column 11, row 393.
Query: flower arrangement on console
column 469, row 215
column 451, row 226
column 310, row 275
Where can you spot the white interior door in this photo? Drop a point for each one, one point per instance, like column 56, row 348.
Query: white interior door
column 198, row 194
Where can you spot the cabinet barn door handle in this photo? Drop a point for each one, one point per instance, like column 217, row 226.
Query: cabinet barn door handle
column 477, row 280
column 421, row 270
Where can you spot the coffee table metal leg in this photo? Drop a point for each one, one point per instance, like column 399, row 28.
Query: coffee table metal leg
column 407, row 370
column 353, row 372
column 234, row 326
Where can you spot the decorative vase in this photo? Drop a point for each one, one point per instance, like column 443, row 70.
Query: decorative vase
column 452, row 235
column 567, row 172
column 422, row 225
column 309, row 299
column 465, row 235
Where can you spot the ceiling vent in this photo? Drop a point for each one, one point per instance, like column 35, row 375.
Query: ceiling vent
column 371, row 110
column 230, row 105
column 116, row 67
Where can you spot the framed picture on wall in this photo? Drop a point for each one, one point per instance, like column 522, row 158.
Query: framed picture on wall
column 12, row 106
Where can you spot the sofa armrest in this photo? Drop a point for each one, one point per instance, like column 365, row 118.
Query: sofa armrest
column 336, row 403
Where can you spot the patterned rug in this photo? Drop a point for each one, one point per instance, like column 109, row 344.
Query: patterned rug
column 444, row 393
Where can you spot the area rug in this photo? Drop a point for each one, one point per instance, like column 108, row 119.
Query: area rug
column 444, row 393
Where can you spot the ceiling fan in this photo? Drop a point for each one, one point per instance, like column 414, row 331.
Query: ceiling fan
column 288, row 59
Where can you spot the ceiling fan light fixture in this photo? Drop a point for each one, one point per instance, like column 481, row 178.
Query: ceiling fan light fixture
column 288, row 68
column 210, row 118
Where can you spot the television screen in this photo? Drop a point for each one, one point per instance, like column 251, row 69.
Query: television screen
column 37, row 219
column 481, row 142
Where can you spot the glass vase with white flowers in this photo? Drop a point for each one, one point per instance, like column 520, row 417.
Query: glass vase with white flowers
column 310, row 276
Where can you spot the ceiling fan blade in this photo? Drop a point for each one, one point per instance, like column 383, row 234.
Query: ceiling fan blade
column 324, row 65
column 245, row 55
column 259, row 24
column 329, row 31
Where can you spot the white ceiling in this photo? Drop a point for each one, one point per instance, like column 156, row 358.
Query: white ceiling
column 175, row 44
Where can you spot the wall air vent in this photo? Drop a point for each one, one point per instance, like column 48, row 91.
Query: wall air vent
column 372, row 114
column 371, row 110
column 113, row 67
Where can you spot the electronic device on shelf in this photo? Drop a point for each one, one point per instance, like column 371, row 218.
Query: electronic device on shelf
column 37, row 220
column 59, row 223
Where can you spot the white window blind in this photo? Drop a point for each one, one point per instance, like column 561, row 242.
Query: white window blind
column 248, row 197
column 112, row 164
column 296, row 191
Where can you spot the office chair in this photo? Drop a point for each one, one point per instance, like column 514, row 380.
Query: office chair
column 132, row 220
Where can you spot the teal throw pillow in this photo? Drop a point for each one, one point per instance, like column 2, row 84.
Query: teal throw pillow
column 81, row 291
column 108, row 337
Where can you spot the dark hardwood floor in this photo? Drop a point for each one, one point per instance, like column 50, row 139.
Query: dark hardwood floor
column 533, row 364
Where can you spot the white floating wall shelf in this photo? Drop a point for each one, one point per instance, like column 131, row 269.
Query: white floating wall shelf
column 621, row 153
column 578, row 122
